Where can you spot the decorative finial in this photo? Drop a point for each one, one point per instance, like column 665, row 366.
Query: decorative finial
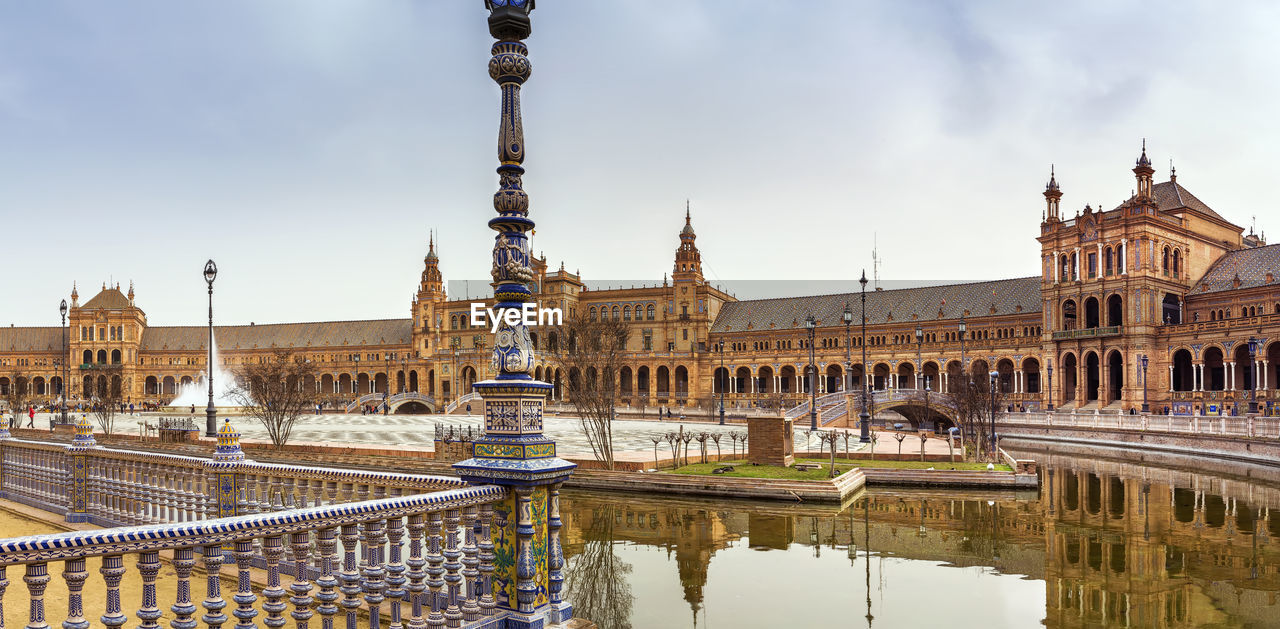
column 228, row 449
column 1173, row 172
column 83, row 435
column 1143, row 160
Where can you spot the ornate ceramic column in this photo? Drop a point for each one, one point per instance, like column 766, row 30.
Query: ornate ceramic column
column 78, row 452
column 513, row 451
column 226, row 481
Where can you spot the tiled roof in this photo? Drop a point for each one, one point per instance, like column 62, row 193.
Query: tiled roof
column 1251, row 265
column 295, row 335
column 30, row 339
column 1171, row 196
column 1020, row 295
column 111, row 299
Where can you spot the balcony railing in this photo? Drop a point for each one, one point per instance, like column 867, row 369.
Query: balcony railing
column 1086, row 333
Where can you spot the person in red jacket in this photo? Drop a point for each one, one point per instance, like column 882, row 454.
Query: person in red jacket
column 31, row 417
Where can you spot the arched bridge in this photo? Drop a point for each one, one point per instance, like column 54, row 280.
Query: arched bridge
column 837, row 408
column 395, row 402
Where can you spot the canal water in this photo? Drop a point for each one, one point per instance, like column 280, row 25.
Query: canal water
column 1103, row 543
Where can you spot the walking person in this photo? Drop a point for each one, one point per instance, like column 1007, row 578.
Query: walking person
column 31, row 417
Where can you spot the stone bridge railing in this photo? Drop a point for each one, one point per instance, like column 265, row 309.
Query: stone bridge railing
column 283, row 519
column 393, row 400
column 1218, row 425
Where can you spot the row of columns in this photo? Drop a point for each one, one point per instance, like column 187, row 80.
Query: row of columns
column 1260, row 367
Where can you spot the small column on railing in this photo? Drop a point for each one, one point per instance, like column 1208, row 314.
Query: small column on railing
column 226, row 480
column 415, row 573
column 4, row 585
column 75, row 574
column 112, row 572
column 350, row 575
column 435, row 570
column 327, row 545
column 213, row 601
column 452, row 569
column 555, row 553
column 37, row 579
column 372, row 584
column 184, row 560
column 301, row 586
column 78, row 453
column 244, row 597
column 395, row 571
column 273, row 550
column 470, row 565
column 487, row 602
column 149, row 568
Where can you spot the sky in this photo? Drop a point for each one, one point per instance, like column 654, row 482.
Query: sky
column 309, row 146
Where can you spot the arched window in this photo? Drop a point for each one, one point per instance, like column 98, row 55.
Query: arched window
column 626, row 313
column 648, row 312
column 453, row 322
column 1110, row 268
column 616, row 313
column 1177, row 262
column 591, row 314
column 1164, row 261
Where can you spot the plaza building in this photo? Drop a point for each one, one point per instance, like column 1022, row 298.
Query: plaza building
column 1161, row 278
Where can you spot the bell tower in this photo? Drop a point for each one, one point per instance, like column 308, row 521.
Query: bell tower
column 688, row 259
column 427, row 303
column 1052, row 196
column 1143, row 171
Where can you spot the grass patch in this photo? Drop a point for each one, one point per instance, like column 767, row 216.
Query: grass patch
column 742, row 469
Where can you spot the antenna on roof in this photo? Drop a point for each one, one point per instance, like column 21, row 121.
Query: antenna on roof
column 875, row 260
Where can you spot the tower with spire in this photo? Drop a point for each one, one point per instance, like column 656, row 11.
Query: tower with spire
column 428, row 304
column 688, row 265
column 1143, row 171
column 1052, row 196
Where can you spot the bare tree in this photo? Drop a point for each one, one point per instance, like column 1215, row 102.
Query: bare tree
column 107, row 396
column 592, row 357
column 974, row 404
column 273, row 390
column 15, row 395
column 597, row 578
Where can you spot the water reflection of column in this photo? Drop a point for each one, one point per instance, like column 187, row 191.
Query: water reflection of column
column 555, row 552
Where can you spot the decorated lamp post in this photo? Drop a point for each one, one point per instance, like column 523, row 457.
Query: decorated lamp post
column 62, row 385
column 811, row 325
column 78, row 453
column 1050, row 392
column 1146, row 408
column 210, row 413
column 1253, row 377
column 723, row 381
column 528, row 578
column 864, row 418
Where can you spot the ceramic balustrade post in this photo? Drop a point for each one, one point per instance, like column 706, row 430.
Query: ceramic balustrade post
column 75, row 574
column 470, row 566
column 415, row 573
column 112, row 571
column 4, row 578
column 77, row 454
column 37, row 579
column 273, row 605
column 435, row 570
column 395, row 571
column 327, row 544
column 350, row 575
column 526, row 588
column 487, row 602
column 560, row 611
column 331, row 490
column 225, row 472
column 244, row 597
column 301, row 586
column 184, row 561
column 149, row 567
column 373, row 585
column 213, row 602
column 452, row 568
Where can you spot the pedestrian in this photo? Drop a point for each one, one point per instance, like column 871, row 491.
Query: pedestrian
column 31, row 417
column 193, row 409
column 131, row 408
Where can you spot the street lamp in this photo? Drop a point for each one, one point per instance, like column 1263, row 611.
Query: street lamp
column 847, row 317
column 993, row 375
column 1253, row 376
column 963, row 327
column 724, row 377
column 210, row 413
column 811, row 324
column 1146, row 408
column 62, row 386
column 919, row 354
column 1050, row 385
column 864, row 418
column 386, row 386
column 355, row 379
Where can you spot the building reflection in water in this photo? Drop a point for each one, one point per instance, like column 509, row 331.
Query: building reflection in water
column 1115, row 545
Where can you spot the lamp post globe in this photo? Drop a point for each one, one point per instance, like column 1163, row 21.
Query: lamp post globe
column 811, row 325
column 210, row 413
column 62, row 387
column 864, row 418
